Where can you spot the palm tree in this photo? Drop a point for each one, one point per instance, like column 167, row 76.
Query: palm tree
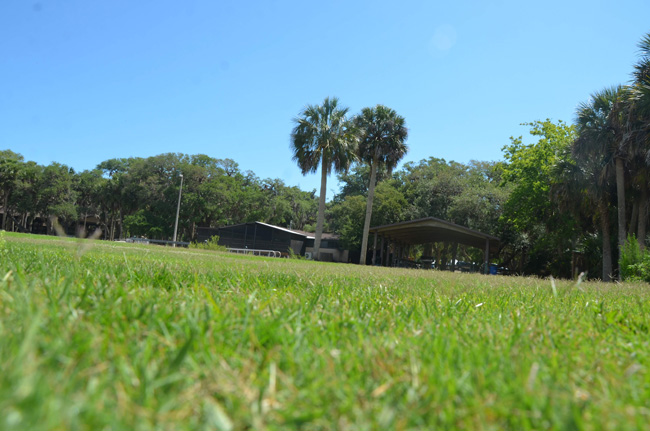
column 382, row 143
column 595, row 150
column 618, row 148
column 582, row 185
column 641, row 77
column 323, row 136
column 638, row 129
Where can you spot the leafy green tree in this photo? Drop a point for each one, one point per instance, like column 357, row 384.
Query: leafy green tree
column 56, row 195
column 114, row 196
column 323, row 136
column 88, row 186
column 10, row 166
column 25, row 197
column 431, row 185
column 347, row 215
column 355, row 182
column 539, row 231
column 479, row 205
column 382, row 143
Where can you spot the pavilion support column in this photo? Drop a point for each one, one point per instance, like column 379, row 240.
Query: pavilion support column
column 486, row 257
column 454, row 256
column 374, row 250
column 382, row 257
column 387, row 252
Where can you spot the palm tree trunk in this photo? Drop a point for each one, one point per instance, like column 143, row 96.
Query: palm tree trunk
column 366, row 223
column 607, row 242
column 634, row 217
column 620, row 195
column 321, row 210
column 643, row 216
column 4, row 210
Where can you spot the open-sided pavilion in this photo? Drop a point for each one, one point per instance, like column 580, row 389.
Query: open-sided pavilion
column 429, row 230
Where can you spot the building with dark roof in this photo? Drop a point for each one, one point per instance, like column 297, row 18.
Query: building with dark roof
column 263, row 236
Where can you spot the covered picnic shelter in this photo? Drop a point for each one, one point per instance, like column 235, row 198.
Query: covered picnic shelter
column 429, row 230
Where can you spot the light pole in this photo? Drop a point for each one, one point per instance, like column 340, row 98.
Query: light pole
column 178, row 210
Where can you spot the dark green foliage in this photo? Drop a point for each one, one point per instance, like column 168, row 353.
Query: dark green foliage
column 540, row 234
column 466, row 194
column 347, row 216
column 136, row 196
column 210, row 244
column 634, row 263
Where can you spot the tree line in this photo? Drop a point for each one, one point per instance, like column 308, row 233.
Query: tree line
column 564, row 200
column 138, row 196
column 562, row 191
column 584, row 187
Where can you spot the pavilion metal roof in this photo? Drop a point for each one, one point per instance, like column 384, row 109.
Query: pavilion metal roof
column 431, row 229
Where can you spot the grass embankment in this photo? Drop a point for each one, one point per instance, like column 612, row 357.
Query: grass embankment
column 118, row 336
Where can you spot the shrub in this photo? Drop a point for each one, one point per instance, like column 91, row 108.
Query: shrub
column 293, row 255
column 210, row 244
column 634, row 263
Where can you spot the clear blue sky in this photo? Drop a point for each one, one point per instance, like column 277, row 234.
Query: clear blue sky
column 84, row 81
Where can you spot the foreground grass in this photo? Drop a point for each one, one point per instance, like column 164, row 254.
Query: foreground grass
column 117, row 336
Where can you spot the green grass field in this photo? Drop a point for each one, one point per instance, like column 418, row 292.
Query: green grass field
column 115, row 336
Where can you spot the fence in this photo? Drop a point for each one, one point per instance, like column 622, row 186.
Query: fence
column 255, row 252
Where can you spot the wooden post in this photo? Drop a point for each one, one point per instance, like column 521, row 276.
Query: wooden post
column 383, row 255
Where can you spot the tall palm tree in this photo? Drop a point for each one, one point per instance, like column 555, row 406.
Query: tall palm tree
column 638, row 129
column 382, row 143
column 617, row 139
column 641, row 76
column 325, row 137
column 580, row 186
column 596, row 150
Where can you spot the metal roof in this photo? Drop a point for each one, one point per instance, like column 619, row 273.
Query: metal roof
column 431, row 229
column 308, row 235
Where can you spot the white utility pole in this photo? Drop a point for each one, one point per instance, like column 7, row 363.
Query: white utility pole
column 178, row 210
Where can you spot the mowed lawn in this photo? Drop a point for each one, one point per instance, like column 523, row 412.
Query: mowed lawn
column 110, row 336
